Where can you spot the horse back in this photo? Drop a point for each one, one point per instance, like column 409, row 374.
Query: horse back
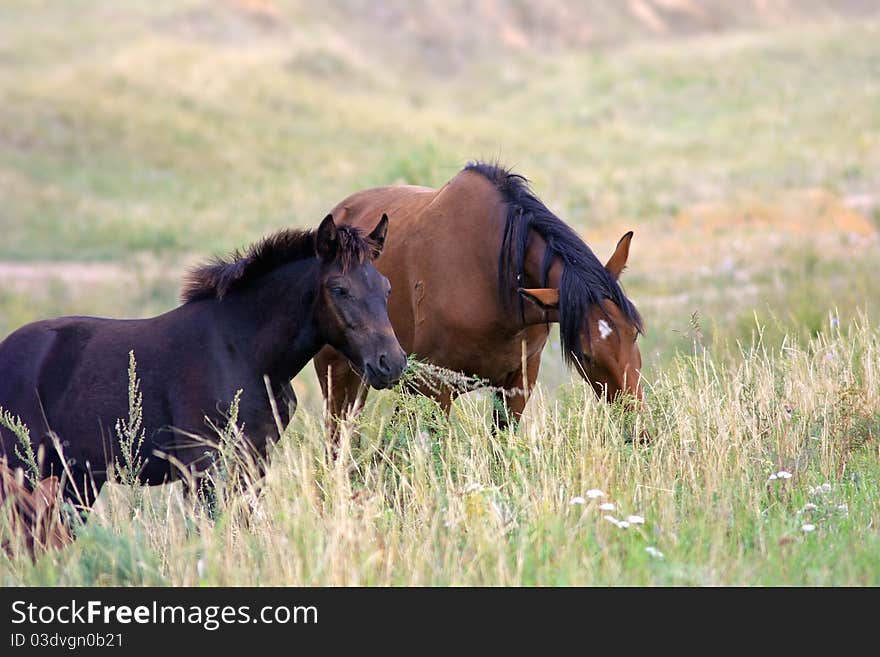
column 69, row 376
column 442, row 245
column 24, row 355
column 441, row 256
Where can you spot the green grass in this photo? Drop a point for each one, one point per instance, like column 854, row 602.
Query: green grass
column 139, row 138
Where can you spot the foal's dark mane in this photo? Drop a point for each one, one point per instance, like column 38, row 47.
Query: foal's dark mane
column 585, row 281
column 212, row 280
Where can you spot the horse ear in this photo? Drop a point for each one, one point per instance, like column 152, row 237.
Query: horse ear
column 46, row 492
column 617, row 262
column 543, row 297
column 379, row 233
column 326, row 239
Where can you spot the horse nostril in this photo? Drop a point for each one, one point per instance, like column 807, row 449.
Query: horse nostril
column 383, row 364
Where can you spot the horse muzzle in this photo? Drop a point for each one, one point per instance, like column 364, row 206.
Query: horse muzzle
column 385, row 370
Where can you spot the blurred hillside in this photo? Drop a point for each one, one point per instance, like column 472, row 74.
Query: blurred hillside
column 740, row 140
column 447, row 35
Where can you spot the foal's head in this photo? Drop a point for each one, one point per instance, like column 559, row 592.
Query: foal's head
column 350, row 311
column 352, row 305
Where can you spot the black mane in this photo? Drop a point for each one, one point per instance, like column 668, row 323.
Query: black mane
column 585, row 281
column 216, row 277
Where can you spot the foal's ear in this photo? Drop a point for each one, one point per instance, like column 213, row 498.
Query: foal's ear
column 46, row 493
column 326, row 239
column 543, row 297
column 617, row 262
column 378, row 235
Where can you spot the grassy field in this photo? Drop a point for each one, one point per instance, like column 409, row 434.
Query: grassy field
column 762, row 469
column 747, row 161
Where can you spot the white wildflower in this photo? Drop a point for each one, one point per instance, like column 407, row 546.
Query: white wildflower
column 200, row 568
column 809, row 506
column 577, row 500
column 782, row 474
column 595, row 493
column 654, row 552
column 635, row 520
column 772, row 477
column 623, row 524
column 808, row 527
column 607, row 506
column 843, row 507
column 473, row 488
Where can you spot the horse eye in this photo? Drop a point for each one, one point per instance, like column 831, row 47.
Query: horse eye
column 339, row 291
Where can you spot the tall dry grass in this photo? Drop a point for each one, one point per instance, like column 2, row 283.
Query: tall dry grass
column 762, row 468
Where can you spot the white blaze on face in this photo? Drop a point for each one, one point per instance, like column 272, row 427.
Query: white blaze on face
column 604, row 329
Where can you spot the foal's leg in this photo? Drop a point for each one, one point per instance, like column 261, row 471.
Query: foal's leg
column 510, row 405
column 286, row 404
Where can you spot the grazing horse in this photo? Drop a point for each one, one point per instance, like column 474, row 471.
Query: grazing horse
column 249, row 322
column 480, row 268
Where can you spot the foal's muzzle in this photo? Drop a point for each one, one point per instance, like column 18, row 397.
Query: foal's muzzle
column 385, row 369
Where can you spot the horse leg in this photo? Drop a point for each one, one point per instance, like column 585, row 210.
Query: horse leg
column 286, row 404
column 510, row 404
column 342, row 388
column 444, row 396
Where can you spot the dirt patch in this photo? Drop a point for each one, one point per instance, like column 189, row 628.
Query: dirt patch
column 229, row 23
column 40, row 274
column 735, row 239
column 35, row 274
column 802, row 212
column 446, row 35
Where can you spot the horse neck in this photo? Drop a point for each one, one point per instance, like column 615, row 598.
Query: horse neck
column 272, row 320
column 533, row 276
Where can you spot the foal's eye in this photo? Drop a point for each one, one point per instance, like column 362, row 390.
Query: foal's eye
column 339, row 291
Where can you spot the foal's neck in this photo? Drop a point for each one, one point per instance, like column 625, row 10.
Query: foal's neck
column 271, row 321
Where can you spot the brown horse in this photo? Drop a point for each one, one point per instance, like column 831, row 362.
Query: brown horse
column 32, row 514
column 479, row 269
